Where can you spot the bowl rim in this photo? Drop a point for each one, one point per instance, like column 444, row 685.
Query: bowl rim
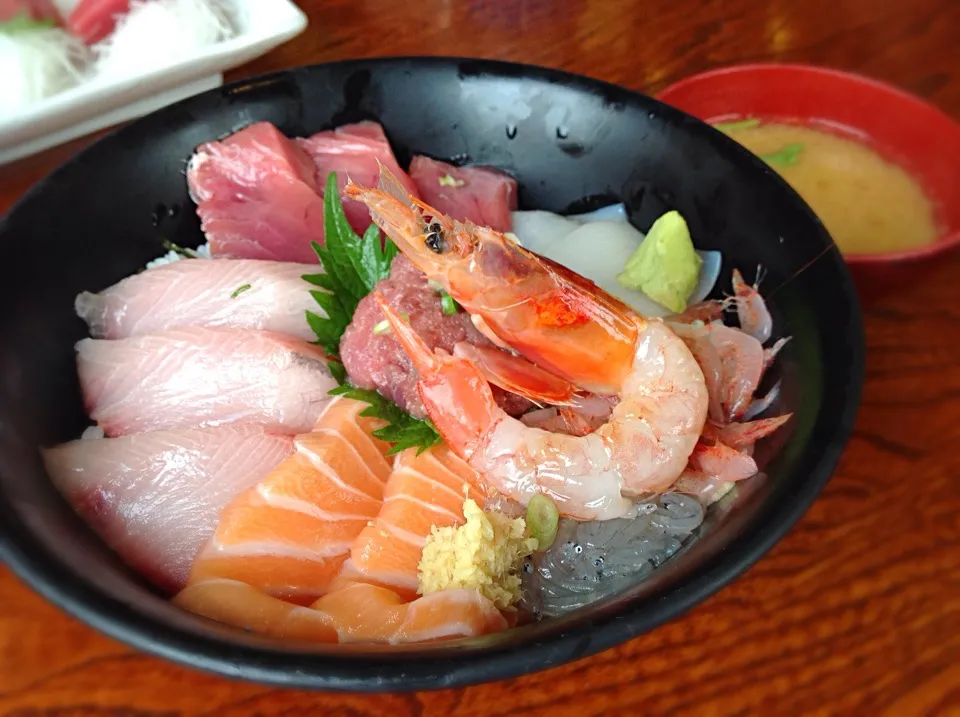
column 947, row 241
column 407, row 672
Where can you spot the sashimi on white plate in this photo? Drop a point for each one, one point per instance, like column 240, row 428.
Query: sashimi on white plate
column 155, row 498
column 229, row 293
column 105, row 99
column 192, row 377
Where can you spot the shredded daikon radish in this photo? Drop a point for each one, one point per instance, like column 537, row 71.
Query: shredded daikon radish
column 159, row 33
column 37, row 63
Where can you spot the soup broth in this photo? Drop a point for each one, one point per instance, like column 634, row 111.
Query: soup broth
column 868, row 204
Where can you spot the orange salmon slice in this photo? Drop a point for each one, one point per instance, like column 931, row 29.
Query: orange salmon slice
column 422, row 491
column 358, row 612
column 289, row 535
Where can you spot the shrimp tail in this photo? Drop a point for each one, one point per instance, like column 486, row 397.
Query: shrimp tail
column 770, row 354
column 454, row 392
column 722, row 462
column 517, row 375
column 740, row 435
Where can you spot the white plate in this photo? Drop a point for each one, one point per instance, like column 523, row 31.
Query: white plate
column 100, row 103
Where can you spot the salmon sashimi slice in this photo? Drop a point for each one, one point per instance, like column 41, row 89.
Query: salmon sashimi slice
column 155, row 498
column 369, row 613
column 289, row 535
column 229, row 293
column 357, row 613
column 193, row 377
column 239, row 605
column 422, row 491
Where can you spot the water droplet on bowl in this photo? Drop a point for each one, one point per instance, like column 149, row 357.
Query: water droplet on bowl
column 159, row 212
column 573, row 149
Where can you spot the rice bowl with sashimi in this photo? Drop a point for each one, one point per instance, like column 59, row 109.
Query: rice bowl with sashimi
column 415, row 361
column 329, row 391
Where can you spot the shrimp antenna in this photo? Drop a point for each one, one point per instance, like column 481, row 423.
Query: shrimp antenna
column 826, row 250
column 761, row 275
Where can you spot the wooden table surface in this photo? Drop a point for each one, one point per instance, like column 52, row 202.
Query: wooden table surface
column 856, row 612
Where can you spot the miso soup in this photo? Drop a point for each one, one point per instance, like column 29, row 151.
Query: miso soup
column 867, row 203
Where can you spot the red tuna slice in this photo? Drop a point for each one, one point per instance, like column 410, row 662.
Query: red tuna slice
column 93, row 20
column 156, row 497
column 257, row 197
column 354, row 151
column 481, row 195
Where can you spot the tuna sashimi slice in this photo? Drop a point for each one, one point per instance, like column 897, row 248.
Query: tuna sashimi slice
column 257, row 197
column 231, row 293
column 288, row 535
column 482, row 195
column 355, row 151
column 422, row 491
column 194, row 377
column 155, row 497
column 356, row 613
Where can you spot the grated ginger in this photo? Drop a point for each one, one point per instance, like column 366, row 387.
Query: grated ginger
column 485, row 553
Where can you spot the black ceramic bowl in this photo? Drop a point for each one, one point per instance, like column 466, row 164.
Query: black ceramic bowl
column 573, row 143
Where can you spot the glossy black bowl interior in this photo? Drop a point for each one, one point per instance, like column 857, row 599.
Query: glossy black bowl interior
column 573, row 144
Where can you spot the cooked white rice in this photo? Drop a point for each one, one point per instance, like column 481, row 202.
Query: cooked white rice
column 203, row 252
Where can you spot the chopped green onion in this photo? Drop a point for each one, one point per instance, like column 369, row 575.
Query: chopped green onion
column 739, row 124
column 383, row 327
column 182, row 251
column 788, row 155
column 239, row 290
column 448, row 305
column 447, row 181
column 543, row 518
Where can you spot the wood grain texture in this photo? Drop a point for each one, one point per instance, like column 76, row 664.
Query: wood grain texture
column 856, row 612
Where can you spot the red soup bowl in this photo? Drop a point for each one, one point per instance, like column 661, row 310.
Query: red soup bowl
column 900, row 127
